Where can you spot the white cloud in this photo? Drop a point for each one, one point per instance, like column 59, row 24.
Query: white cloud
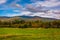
column 37, row 8
column 18, row 5
column 16, row 11
column 10, row 15
column 48, row 14
column 47, row 3
column 27, row 13
column 2, row 1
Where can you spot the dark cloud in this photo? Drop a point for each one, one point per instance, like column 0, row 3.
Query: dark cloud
column 35, row 8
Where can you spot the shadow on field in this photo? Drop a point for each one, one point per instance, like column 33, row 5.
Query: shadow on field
column 24, row 37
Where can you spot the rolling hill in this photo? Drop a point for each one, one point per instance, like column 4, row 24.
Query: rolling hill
column 5, row 18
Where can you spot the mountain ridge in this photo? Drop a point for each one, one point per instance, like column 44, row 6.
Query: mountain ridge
column 27, row 17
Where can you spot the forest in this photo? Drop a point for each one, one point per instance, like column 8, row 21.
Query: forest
column 30, row 24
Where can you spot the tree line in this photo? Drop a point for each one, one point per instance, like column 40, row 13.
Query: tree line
column 30, row 24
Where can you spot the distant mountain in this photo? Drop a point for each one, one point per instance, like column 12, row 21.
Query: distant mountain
column 4, row 17
column 30, row 17
column 26, row 18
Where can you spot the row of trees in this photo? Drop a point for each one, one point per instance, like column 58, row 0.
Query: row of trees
column 30, row 24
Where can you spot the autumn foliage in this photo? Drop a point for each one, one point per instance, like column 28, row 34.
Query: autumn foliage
column 30, row 24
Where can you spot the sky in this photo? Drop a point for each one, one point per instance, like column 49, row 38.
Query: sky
column 41, row 8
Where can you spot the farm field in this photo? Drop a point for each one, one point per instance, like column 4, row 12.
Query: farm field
column 29, row 34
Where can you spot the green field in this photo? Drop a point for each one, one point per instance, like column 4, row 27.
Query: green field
column 29, row 34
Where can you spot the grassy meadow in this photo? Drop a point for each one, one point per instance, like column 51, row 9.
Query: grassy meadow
column 29, row 34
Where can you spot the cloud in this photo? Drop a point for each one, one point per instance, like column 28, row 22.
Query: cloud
column 2, row 1
column 45, row 0
column 36, row 8
column 6, row 4
column 48, row 14
column 26, row 13
column 11, row 15
column 17, row 5
column 41, row 8
column 47, row 3
column 17, row 11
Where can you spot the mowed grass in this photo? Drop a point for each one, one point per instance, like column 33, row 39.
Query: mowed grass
column 29, row 34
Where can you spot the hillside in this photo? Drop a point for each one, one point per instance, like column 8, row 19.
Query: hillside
column 4, row 18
